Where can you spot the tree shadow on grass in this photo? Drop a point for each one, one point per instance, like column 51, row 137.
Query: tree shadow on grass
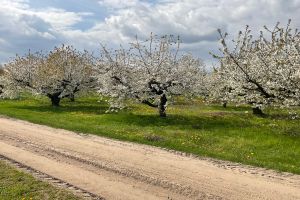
column 283, row 116
column 204, row 121
column 180, row 121
column 68, row 108
column 229, row 108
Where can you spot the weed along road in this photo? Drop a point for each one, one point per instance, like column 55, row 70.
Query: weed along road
column 122, row 170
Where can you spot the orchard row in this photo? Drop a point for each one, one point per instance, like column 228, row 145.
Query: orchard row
column 261, row 71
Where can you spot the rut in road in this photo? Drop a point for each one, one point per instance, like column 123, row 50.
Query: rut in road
column 55, row 181
column 122, row 170
column 89, row 162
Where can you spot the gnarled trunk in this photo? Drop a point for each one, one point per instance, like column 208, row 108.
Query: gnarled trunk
column 1, row 89
column 55, row 99
column 224, row 104
column 72, row 97
column 257, row 111
column 162, row 106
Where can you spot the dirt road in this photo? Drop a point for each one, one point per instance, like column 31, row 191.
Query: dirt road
column 122, row 170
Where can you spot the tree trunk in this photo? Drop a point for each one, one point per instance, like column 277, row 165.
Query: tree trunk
column 162, row 106
column 55, row 100
column 72, row 97
column 224, row 104
column 257, row 111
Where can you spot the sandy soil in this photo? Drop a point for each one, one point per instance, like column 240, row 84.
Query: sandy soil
column 123, row 170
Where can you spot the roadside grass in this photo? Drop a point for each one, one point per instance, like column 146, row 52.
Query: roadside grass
column 231, row 133
column 17, row 185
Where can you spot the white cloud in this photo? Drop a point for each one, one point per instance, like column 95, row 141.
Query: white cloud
column 117, row 4
column 23, row 28
column 196, row 21
column 59, row 18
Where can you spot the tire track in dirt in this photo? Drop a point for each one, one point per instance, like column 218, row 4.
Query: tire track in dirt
column 54, row 181
column 92, row 165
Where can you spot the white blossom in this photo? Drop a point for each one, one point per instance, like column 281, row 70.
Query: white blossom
column 261, row 71
column 150, row 72
column 59, row 74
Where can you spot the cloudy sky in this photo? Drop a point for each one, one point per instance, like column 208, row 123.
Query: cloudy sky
column 42, row 24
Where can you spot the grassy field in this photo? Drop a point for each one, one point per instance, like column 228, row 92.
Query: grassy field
column 231, row 133
column 17, row 185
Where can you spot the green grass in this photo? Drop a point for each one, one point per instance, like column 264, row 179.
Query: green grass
column 230, row 134
column 17, row 185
